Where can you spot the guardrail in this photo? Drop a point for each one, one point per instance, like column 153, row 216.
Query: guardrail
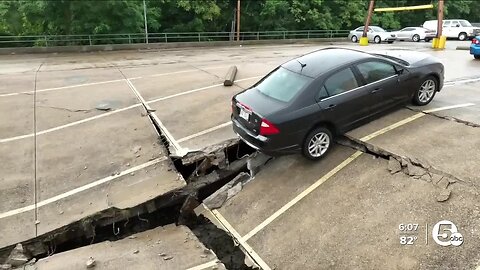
column 133, row 38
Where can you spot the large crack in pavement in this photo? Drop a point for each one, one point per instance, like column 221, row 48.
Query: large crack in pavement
column 411, row 166
column 446, row 117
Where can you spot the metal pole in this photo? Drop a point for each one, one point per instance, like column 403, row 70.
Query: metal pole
column 145, row 18
column 238, row 20
column 369, row 17
column 440, row 18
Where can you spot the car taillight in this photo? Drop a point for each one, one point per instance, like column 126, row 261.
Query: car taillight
column 267, row 128
column 475, row 41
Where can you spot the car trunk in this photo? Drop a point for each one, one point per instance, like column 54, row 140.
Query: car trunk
column 251, row 106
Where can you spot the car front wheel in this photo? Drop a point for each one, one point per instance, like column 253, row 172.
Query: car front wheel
column 416, row 38
column 317, row 143
column 354, row 39
column 462, row 36
column 426, row 91
column 377, row 39
column 476, row 56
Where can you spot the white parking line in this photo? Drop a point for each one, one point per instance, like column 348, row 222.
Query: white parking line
column 320, row 181
column 80, row 189
column 198, row 89
column 203, row 132
column 301, row 195
column 157, row 120
column 109, row 81
column 113, row 112
column 205, row 265
column 229, row 228
column 69, row 124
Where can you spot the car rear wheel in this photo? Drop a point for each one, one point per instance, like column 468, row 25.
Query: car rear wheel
column 416, row 38
column 390, row 42
column 426, row 91
column 476, row 56
column 317, row 143
column 354, row 39
column 462, row 36
column 377, row 39
column 427, row 40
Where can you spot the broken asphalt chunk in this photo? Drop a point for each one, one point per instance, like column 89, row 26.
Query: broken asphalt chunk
column 413, row 170
column 217, row 199
column 91, row 262
column 17, row 257
column 444, row 195
column 394, row 165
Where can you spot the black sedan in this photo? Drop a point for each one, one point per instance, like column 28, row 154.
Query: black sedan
column 302, row 104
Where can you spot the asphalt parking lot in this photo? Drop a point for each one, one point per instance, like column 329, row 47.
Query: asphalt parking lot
column 95, row 149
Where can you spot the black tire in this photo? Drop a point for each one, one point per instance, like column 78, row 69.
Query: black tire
column 425, row 91
column 416, row 38
column 427, row 40
column 354, row 39
column 476, row 56
column 323, row 145
column 377, row 39
column 462, row 36
column 390, row 42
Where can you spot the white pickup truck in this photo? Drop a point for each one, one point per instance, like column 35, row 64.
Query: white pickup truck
column 461, row 29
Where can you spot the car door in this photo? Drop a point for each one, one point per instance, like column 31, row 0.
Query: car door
column 382, row 80
column 359, row 32
column 404, row 33
column 342, row 99
column 447, row 29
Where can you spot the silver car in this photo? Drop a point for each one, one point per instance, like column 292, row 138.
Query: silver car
column 375, row 34
column 415, row 34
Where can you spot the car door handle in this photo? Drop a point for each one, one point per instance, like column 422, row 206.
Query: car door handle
column 375, row 90
column 331, row 106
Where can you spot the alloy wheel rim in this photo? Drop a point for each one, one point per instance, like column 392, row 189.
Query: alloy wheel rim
column 319, row 144
column 426, row 91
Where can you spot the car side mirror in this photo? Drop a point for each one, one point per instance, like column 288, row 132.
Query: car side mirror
column 400, row 71
column 458, row 25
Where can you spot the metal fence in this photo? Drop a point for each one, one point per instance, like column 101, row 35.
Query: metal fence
column 103, row 39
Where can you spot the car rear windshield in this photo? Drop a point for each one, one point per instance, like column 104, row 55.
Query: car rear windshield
column 282, row 84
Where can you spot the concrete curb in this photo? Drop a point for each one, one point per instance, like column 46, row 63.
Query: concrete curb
column 463, row 48
column 153, row 46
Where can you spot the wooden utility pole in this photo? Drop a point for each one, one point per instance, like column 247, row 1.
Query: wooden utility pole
column 369, row 17
column 238, row 20
column 440, row 18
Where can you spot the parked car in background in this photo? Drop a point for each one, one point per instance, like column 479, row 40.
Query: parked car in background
column 302, row 104
column 475, row 47
column 460, row 29
column 415, row 34
column 375, row 34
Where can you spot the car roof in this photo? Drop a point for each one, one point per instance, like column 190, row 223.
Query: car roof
column 321, row 61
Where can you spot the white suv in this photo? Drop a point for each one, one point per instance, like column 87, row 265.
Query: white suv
column 461, row 29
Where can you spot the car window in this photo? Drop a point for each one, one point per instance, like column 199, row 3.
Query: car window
column 374, row 71
column 408, row 29
column 446, row 23
column 282, row 84
column 323, row 93
column 454, row 24
column 340, row 82
column 378, row 29
column 465, row 24
column 360, row 29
